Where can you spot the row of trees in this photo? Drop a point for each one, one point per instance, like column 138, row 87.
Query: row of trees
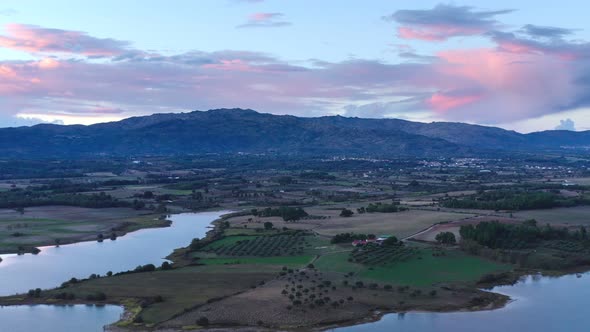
column 510, row 199
column 286, row 212
column 381, row 208
column 349, row 237
column 26, row 198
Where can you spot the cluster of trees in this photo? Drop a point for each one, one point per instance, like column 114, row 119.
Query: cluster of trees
column 511, row 199
column 346, row 213
column 188, row 185
column 517, row 236
column 447, row 238
column 381, row 208
column 349, row 237
column 286, row 212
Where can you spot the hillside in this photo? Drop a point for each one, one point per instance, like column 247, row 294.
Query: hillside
column 246, row 131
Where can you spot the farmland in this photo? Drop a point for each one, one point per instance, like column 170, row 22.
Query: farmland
column 278, row 246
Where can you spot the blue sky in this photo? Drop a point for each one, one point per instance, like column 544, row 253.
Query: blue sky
column 298, row 57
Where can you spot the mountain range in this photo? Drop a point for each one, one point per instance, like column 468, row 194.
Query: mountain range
column 247, row 131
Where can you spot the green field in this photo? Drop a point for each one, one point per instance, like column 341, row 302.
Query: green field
column 226, row 241
column 421, row 270
column 291, row 261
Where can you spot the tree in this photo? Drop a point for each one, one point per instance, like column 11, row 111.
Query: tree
column 268, row 225
column 391, row 241
column 446, row 238
column 346, row 213
column 203, row 321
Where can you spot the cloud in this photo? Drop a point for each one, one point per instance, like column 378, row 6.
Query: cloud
column 265, row 20
column 444, row 21
column 35, row 39
column 518, row 77
column 567, row 124
column 545, row 31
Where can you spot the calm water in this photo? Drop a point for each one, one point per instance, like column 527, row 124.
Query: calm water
column 540, row 305
column 54, row 265
column 47, row 318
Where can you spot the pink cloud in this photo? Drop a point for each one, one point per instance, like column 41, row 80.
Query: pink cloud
column 510, row 86
column 487, row 85
column 265, row 20
column 264, row 16
column 48, row 63
column 35, row 39
column 435, row 33
column 443, row 102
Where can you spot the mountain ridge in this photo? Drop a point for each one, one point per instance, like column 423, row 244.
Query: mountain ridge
column 247, row 131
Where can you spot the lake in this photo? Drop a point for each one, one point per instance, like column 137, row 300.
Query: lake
column 54, row 265
column 54, row 318
column 541, row 304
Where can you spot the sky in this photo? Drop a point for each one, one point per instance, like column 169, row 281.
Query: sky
column 517, row 65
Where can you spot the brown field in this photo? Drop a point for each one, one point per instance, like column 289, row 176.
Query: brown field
column 400, row 224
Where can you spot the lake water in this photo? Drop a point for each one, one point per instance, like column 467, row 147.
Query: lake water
column 54, row 265
column 541, row 304
column 53, row 318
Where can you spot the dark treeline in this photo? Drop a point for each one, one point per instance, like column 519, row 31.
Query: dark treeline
column 382, row 208
column 517, row 236
column 349, row 237
column 63, row 186
column 286, row 212
column 514, row 200
column 27, row 198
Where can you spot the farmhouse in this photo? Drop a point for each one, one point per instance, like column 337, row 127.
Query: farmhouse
column 377, row 240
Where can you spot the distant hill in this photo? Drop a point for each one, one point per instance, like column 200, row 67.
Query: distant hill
column 246, row 131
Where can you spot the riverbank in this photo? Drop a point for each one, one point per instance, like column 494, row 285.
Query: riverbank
column 34, row 227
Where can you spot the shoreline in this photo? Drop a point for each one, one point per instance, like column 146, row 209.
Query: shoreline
column 124, row 230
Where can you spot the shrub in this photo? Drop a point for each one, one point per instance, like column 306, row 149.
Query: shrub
column 203, row 321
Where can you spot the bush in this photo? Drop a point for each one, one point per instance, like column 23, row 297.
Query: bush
column 447, row 238
column 203, row 321
column 346, row 213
